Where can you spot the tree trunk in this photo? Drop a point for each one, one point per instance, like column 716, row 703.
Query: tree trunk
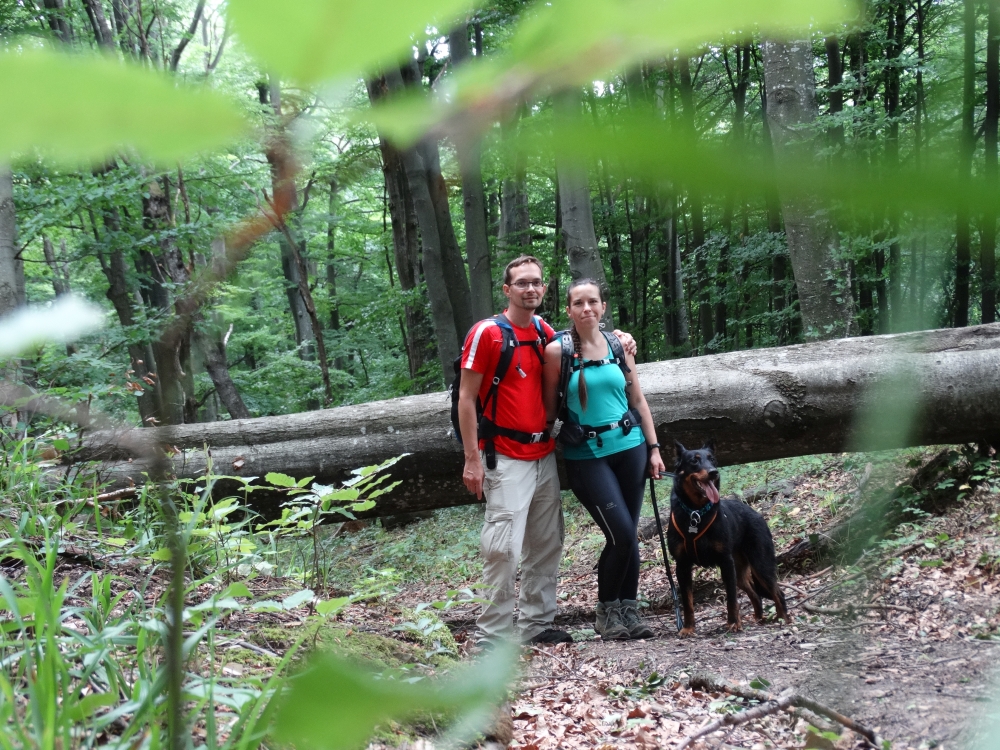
column 11, row 266
column 55, row 14
column 166, row 270
column 988, row 237
column 963, row 239
column 99, row 24
column 281, row 184
column 451, row 255
column 758, row 405
column 514, row 226
column 477, row 245
column 121, row 294
column 823, row 286
column 442, row 312
column 405, row 239
column 577, row 210
column 212, row 343
column 697, row 211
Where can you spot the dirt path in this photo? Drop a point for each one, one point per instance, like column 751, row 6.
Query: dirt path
column 919, row 671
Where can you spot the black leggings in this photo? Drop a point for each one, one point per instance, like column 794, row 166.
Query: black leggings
column 611, row 489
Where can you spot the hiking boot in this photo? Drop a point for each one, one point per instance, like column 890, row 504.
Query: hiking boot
column 632, row 622
column 550, row 636
column 609, row 623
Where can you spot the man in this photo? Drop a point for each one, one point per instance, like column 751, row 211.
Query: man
column 524, row 518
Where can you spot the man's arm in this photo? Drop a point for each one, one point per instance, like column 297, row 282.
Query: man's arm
column 628, row 343
column 473, row 473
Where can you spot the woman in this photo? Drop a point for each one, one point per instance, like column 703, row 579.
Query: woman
column 607, row 471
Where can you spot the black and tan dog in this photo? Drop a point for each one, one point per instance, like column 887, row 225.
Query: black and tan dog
column 726, row 534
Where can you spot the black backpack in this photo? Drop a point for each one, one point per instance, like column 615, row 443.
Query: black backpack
column 488, row 428
column 572, row 433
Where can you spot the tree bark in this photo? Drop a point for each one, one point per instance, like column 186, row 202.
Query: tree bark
column 405, row 239
column 442, row 312
column 577, row 210
column 963, row 240
column 11, row 266
column 988, row 236
column 823, row 286
column 758, row 405
column 55, row 14
column 212, row 343
column 166, row 270
column 477, row 245
column 122, row 295
column 99, row 24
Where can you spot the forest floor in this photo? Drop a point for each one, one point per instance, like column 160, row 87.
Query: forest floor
column 903, row 640
column 913, row 660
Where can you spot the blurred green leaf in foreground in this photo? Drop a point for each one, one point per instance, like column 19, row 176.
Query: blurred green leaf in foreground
column 78, row 109
column 336, row 704
column 571, row 42
column 315, row 40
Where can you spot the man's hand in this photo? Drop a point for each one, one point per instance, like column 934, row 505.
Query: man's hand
column 628, row 343
column 473, row 475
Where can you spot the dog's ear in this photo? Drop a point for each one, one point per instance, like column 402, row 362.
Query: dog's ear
column 680, row 449
column 710, row 444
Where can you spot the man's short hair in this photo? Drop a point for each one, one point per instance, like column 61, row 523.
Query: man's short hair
column 521, row 260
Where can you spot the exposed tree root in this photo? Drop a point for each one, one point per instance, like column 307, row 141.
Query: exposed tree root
column 769, row 704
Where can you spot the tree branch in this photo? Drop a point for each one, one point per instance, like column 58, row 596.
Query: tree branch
column 175, row 57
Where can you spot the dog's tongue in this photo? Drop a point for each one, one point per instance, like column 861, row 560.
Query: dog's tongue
column 711, row 492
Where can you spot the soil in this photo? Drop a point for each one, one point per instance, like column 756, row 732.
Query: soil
column 912, row 659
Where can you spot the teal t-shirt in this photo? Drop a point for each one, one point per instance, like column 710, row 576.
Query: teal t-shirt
column 606, row 402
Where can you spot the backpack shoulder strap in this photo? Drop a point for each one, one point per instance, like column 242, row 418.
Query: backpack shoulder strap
column 508, row 342
column 565, row 371
column 617, row 352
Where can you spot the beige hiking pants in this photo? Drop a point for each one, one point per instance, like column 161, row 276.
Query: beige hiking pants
column 523, row 515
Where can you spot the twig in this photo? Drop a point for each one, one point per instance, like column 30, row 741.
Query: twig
column 122, row 494
column 830, row 586
column 732, row 720
column 551, row 656
column 848, row 608
column 251, row 647
column 769, row 704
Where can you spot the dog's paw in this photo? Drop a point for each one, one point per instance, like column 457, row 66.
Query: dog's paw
column 734, row 627
column 686, row 632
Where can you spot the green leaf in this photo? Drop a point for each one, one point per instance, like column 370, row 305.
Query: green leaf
column 315, row 40
column 89, row 705
column 162, row 554
column 335, row 704
column 363, row 506
column 297, row 599
column 60, row 444
column 566, row 43
column 332, row 606
column 759, row 683
column 236, row 589
column 279, row 480
column 86, row 108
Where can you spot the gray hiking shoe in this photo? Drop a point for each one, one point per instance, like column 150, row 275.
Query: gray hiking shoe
column 632, row 622
column 609, row 623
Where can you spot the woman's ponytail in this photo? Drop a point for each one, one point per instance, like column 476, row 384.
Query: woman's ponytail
column 578, row 349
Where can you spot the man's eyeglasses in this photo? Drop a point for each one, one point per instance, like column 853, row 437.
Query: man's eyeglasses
column 522, row 285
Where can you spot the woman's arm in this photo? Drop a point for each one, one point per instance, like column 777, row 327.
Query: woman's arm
column 637, row 401
column 550, row 378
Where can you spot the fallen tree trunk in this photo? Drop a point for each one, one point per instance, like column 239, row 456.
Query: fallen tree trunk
column 758, row 405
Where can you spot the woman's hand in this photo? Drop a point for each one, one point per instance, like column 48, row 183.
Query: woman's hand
column 656, row 465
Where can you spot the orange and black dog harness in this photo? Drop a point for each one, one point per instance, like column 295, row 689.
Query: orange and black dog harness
column 698, row 535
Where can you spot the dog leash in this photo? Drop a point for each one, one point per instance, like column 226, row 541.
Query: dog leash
column 663, row 547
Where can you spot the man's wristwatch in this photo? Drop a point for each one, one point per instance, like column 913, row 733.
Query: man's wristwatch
column 650, row 446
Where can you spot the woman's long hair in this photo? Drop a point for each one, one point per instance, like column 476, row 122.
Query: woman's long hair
column 575, row 335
